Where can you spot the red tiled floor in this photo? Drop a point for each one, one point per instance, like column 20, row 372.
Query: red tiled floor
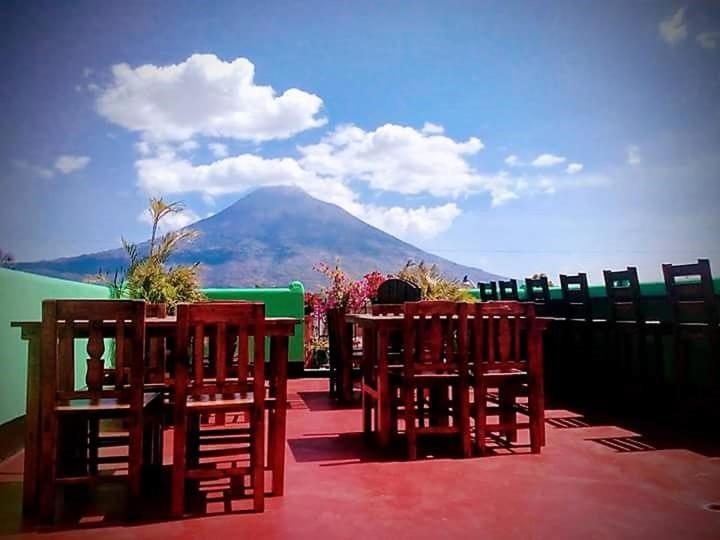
column 590, row 482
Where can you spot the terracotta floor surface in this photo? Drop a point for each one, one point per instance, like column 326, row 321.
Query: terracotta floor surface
column 591, row 481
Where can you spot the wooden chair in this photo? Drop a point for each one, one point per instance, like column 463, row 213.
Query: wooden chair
column 694, row 314
column 507, row 354
column 396, row 291
column 219, row 385
column 488, row 291
column 435, row 359
column 627, row 322
column 70, row 418
column 537, row 291
column 508, row 289
column 369, row 375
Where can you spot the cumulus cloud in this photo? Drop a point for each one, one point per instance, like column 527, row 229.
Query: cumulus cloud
column 432, row 129
column 547, row 160
column 574, row 168
column 633, row 155
column 395, row 158
column 708, row 40
column 171, row 222
column 512, row 161
column 419, row 222
column 204, row 95
column 67, row 164
column 674, row 29
column 218, row 149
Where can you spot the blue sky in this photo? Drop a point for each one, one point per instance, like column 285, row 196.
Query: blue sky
column 520, row 137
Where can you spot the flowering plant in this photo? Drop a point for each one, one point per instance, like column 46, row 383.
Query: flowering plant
column 344, row 292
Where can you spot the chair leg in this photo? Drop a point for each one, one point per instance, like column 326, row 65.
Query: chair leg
column 258, row 459
column 536, row 403
column 177, row 504
column 463, row 397
column 410, row 431
column 135, row 459
column 481, row 417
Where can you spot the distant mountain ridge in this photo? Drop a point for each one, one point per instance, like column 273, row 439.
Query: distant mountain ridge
column 270, row 237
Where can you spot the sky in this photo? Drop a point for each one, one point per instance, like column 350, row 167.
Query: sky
column 515, row 136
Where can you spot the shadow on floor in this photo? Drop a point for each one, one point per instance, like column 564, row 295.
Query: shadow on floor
column 318, row 400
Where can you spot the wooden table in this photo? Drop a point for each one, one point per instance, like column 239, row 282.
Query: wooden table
column 278, row 329
column 376, row 330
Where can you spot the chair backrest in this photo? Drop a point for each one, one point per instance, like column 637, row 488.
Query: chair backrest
column 623, row 294
column 537, row 290
column 488, row 291
column 396, row 291
column 508, row 289
column 222, row 328
column 690, row 292
column 435, row 337
column 119, row 322
column 576, row 296
column 501, row 332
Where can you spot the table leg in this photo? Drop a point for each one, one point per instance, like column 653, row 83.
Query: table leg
column 368, row 364
column 383, row 389
column 32, row 429
column 279, row 359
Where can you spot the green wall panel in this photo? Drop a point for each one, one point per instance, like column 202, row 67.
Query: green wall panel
column 21, row 296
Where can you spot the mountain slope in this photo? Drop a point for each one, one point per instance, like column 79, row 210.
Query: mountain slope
column 273, row 236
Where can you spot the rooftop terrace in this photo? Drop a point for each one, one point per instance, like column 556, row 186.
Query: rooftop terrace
column 596, row 478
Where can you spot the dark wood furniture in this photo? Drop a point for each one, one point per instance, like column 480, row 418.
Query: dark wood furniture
column 627, row 325
column 435, row 369
column 67, row 446
column 340, row 338
column 396, row 291
column 488, row 291
column 508, row 290
column 694, row 313
column 507, row 356
column 225, row 385
column 279, row 330
column 537, row 290
column 576, row 369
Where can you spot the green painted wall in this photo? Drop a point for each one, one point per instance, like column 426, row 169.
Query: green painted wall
column 289, row 302
column 21, row 296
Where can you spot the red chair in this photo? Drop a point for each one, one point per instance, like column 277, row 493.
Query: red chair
column 435, row 369
column 219, row 385
column 507, row 354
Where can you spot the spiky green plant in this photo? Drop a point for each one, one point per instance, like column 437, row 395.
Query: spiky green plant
column 434, row 285
column 148, row 277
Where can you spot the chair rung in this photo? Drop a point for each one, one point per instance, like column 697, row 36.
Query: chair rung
column 217, row 474
column 437, row 430
column 94, row 479
column 506, row 427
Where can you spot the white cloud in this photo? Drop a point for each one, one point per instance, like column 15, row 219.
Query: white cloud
column 708, row 40
column 673, row 29
column 546, row 185
column 512, row 161
column 547, row 160
column 67, row 164
column 419, row 222
column 34, row 170
column 218, row 150
column 633, row 155
column 204, row 95
column 395, row 158
column 574, row 168
column 188, row 146
column 432, row 129
column 171, row 222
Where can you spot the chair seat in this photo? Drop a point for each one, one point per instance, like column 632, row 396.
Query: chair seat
column 104, row 406
column 218, row 401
